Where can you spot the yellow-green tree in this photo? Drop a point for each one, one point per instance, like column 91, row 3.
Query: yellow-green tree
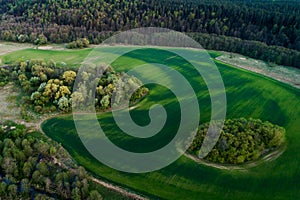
column 69, row 77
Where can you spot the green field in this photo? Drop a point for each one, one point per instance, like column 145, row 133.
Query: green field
column 248, row 95
column 71, row 58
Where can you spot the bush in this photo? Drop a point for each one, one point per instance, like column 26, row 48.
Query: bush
column 78, row 44
column 38, row 109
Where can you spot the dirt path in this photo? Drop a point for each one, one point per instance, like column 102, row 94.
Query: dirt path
column 118, row 189
column 243, row 167
column 107, row 185
column 7, row 47
column 219, row 166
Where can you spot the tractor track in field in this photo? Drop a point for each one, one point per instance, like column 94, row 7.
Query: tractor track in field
column 242, row 167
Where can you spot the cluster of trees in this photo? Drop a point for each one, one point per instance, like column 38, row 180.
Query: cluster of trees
column 241, row 140
column 272, row 23
column 31, row 168
column 4, row 76
column 78, row 44
column 43, row 82
column 49, row 88
column 128, row 89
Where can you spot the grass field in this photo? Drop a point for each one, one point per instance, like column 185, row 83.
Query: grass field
column 284, row 74
column 248, row 95
column 71, row 58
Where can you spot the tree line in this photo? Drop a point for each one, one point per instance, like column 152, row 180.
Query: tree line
column 274, row 24
column 254, row 49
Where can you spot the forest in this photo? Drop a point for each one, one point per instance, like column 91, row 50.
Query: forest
column 273, row 25
column 29, row 168
column 241, row 141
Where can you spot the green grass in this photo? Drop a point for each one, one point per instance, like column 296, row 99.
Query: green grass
column 106, row 193
column 214, row 54
column 248, row 95
column 71, row 58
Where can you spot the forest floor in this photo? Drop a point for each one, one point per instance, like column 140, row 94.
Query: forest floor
column 9, row 109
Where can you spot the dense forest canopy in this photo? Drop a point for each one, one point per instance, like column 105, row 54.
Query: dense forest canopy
column 269, row 25
column 241, row 140
column 275, row 23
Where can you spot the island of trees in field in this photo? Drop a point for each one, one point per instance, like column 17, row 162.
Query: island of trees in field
column 267, row 30
column 48, row 88
column 241, row 141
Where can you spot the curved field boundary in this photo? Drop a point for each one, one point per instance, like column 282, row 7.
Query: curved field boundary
column 248, row 95
column 242, row 167
column 163, row 183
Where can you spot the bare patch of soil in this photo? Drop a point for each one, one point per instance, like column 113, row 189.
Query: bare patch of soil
column 8, row 108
